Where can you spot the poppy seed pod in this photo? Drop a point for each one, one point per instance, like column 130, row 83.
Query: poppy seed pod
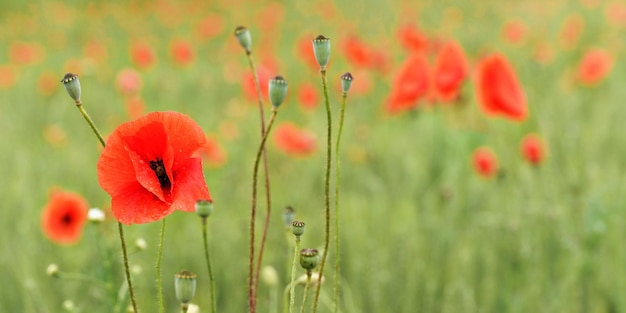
column 204, row 208
column 288, row 215
column 309, row 259
column 185, row 286
column 321, row 49
column 297, row 228
column 243, row 36
column 72, row 85
column 346, row 82
column 277, row 90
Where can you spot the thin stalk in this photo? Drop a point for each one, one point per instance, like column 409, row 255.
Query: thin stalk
column 265, row 170
column 208, row 264
column 158, row 268
column 326, row 189
column 337, row 185
column 251, row 276
column 120, row 228
column 292, row 294
column 306, row 290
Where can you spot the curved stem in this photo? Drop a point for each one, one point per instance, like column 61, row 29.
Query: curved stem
column 306, row 290
column 292, row 294
column 265, row 170
column 120, row 228
column 208, row 264
column 337, row 187
column 251, row 275
column 158, row 268
column 326, row 190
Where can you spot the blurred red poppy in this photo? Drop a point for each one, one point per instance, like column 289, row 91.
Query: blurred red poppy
column 8, row 77
column 210, row 26
column 264, row 74
column 533, row 149
column 294, row 141
column 571, row 31
column 181, row 52
column 594, row 67
column 498, row 89
column 63, row 216
column 449, row 72
column 412, row 39
column 485, row 162
column 514, row 31
column 308, row 96
column 128, row 81
column 26, row 53
column 212, row 152
column 616, row 13
column 410, row 84
column 142, row 55
column 149, row 168
column 305, row 52
column 96, row 51
column 356, row 52
column 47, row 83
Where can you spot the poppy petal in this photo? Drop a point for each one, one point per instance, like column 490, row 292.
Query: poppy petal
column 190, row 185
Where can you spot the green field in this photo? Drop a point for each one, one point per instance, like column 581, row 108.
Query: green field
column 420, row 230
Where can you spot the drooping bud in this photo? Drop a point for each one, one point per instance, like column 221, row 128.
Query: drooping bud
column 277, row 90
column 297, row 228
column 243, row 36
column 346, row 82
column 309, row 259
column 321, row 49
column 185, row 286
column 72, row 85
column 141, row 244
column 204, row 208
column 288, row 215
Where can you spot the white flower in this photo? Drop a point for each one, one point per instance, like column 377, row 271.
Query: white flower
column 95, row 215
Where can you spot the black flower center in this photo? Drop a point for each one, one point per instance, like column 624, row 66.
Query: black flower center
column 159, row 169
column 66, row 219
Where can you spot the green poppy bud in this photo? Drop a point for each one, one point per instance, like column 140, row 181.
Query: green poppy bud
column 204, row 208
column 309, row 259
column 277, row 90
column 346, row 82
column 297, row 228
column 185, row 286
column 72, row 85
column 243, row 36
column 321, row 49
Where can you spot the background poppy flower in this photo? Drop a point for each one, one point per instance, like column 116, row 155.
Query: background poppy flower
column 514, row 31
column 412, row 39
column 142, row 55
column 449, row 71
column 149, row 168
column 128, row 81
column 533, row 149
column 410, row 84
column 308, row 96
column 485, row 162
column 498, row 89
column 594, row 67
column 182, row 52
column 63, row 217
column 294, row 141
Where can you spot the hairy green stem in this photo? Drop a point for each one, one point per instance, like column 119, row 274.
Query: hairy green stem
column 337, row 187
column 292, row 294
column 208, row 265
column 306, row 290
column 251, row 276
column 120, row 228
column 158, row 268
column 326, row 189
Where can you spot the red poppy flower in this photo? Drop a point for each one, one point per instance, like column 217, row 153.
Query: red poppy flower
column 181, row 52
column 412, row 38
column 308, row 96
column 26, row 53
column 265, row 73
column 293, row 141
column 594, row 67
column 128, row 81
column 410, row 84
column 616, row 13
column 142, row 55
column 47, row 83
column 63, row 217
column 449, row 71
column 498, row 90
column 210, row 26
column 514, row 31
column 357, row 53
column 305, row 51
column 533, row 149
column 149, row 169
column 96, row 51
column 571, row 31
column 485, row 162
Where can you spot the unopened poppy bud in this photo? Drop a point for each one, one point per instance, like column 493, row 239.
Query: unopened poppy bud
column 321, row 49
column 95, row 215
column 72, row 85
column 309, row 259
column 288, row 215
column 185, row 286
column 141, row 244
column 346, row 82
column 243, row 36
column 52, row 270
column 297, row 228
column 68, row 305
column 269, row 276
column 204, row 208
column 277, row 90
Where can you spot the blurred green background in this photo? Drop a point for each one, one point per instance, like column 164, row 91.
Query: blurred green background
column 420, row 231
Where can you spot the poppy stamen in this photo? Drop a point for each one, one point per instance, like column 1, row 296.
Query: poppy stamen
column 159, row 169
column 66, row 219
